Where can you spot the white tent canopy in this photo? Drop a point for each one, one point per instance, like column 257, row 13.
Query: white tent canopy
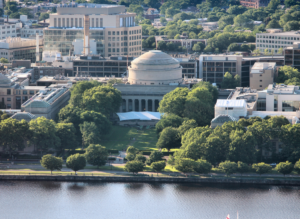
column 231, row 103
column 139, row 116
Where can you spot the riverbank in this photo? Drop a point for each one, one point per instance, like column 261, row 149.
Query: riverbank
column 149, row 179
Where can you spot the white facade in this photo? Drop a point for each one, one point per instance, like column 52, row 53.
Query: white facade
column 26, row 31
column 8, row 30
column 274, row 41
column 234, row 108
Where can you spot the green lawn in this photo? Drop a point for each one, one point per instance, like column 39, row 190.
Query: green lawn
column 119, row 138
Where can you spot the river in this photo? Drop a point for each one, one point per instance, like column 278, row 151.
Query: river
column 55, row 200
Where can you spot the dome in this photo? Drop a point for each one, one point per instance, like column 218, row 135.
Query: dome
column 155, row 68
column 155, row 57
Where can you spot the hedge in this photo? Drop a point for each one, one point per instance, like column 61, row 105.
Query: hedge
column 166, row 153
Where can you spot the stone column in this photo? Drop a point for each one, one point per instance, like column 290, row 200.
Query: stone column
column 133, row 104
column 146, row 100
column 153, row 105
column 140, row 104
column 126, row 104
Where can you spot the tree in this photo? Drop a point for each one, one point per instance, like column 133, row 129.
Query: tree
column 103, row 99
column 266, row 52
column 228, row 167
column 236, row 9
column 273, row 4
column 177, row 36
column 291, row 25
column 154, row 157
column 163, row 20
column 134, row 166
column 285, row 167
column 140, row 158
column 273, row 24
column 43, row 16
column 3, row 60
column 53, row 10
column 89, row 133
column 158, row 166
column 297, row 166
column 242, row 21
column 13, row 134
column 174, row 101
column 171, row 161
column 229, row 81
column 262, row 168
column 51, row 163
column 280, row 51
column 76, row 162
column 192, row 35
column 138, row 9
column 170, row 12
column 202, row 166
column 161, row 45
column 130, row 156
column 77, row 91
column 132, row 150
column 44, row 134
column 199, row 106
column 234, row 47
column 26, row 11
column 96, row 155
column 168, row 139
column 185, row 165
column 242, row 167
column 289, row 3
column 66, row 133
column 198, row 47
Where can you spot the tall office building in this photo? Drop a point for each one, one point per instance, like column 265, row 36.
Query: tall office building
column 111, row 30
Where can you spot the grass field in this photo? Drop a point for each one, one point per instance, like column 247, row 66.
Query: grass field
column 119, row 138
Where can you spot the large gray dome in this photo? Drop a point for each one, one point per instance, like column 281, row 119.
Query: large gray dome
column 155, row 57
column 155, row 68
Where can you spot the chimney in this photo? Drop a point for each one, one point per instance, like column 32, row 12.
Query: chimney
column 86, row 40
column 37, row 50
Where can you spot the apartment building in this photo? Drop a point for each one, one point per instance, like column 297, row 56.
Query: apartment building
column 113, row 30
column 20, row 48
column 292, row 55
column 262, row 74
column 27, row 31
column 275, row 41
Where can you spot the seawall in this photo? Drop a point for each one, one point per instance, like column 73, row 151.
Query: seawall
column 284, row 182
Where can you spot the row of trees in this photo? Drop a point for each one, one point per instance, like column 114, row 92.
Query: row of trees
column 95, row 155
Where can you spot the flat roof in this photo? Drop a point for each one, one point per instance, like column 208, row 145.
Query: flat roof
column 139, row 116
column 231, row 103
column 294, row 33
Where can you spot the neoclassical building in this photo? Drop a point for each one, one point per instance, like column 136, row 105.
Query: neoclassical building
column 150, row 77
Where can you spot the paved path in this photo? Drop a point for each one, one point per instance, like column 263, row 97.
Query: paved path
column 26, row 167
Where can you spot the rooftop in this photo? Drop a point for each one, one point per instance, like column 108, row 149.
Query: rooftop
column 259, row 67
column 283, row 89
column 44, row 98
column 289, row 33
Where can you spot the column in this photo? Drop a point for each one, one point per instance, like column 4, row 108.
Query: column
column 140, row 104
column 153, row 105
column 146, row 100
column 133, row 104
column 127, row 102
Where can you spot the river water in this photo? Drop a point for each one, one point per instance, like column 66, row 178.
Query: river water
column 55, row 200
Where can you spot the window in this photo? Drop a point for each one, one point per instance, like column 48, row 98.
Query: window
column 8, row 92
column 260, row 80
column 260, row 85
column 8, row 99
column 24, row 92
column 31, row 92
column 109, row 50
column 109, row 32
column 8, row 106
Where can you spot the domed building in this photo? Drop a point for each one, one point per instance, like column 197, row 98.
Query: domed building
column 155, row 68
column 150, row 77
